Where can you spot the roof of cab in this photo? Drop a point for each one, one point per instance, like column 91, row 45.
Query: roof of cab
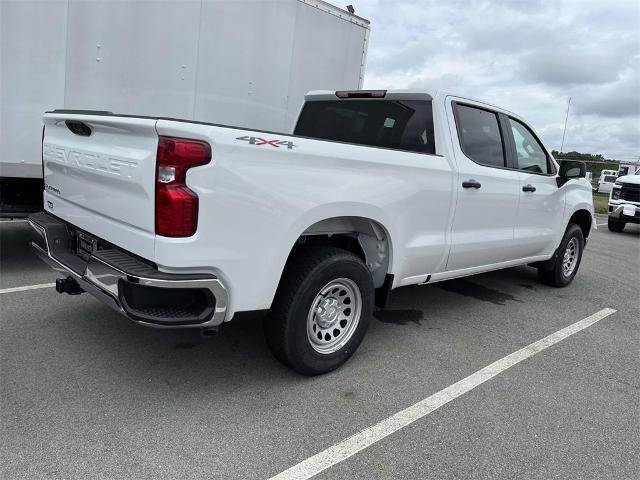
column 315, row 95
column 408, row 94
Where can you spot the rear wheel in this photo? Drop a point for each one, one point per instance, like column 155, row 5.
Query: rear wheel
column 561, row 271
column 321, row 311
column 615, row 225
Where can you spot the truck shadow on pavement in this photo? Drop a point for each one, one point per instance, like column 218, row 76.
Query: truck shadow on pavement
column 463, row 286
column 239, row 352
column 238, row 355
column 498, row 288
column 16, row 254
column 399, row 316
column 475, row 290
column 148, row 358
column 82, row 335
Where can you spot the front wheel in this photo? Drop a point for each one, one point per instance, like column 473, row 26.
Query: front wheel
column 321, row 311
column 615, row 225
column 561, row 271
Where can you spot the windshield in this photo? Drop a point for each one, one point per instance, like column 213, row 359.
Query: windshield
column 610, row 179
column 398, row 124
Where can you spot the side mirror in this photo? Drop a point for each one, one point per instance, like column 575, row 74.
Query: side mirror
column 570, row 169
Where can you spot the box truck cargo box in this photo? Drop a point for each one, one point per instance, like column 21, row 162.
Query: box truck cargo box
column 242, row 63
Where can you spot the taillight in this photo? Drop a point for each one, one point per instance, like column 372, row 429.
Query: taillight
column 176, row 204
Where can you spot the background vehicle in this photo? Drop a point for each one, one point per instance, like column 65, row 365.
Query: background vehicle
column 176, row 223
column 606, row 183
column 240, row 63
column 628, row 167
column 605, row 172
column 624, row 203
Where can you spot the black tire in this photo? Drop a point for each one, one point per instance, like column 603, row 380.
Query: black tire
column 553, row 272
column 615, row 225
column 303, row 279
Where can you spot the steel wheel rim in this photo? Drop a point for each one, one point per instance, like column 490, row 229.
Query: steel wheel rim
column 570, row 259
column 334, row 315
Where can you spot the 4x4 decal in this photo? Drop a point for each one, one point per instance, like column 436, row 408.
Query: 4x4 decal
column 262, row 141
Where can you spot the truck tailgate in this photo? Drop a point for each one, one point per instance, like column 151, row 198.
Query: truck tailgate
column 99, row 174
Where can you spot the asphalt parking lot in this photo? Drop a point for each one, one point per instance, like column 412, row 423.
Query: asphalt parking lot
column 87, row 394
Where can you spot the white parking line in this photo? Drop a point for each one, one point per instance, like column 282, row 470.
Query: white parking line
column 600, row 224
column 28, row 287
column 352, row 445
column 14, row 221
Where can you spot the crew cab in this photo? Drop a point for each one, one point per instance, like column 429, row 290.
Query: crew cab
column 184, row 224
column 624, row 203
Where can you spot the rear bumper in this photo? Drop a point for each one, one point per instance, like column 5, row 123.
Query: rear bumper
column 128, row 284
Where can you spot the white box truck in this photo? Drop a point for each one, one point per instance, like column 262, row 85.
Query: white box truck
column 237, row 62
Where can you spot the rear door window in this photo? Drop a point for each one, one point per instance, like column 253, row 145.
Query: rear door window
column 397, row 124
column 479, row 135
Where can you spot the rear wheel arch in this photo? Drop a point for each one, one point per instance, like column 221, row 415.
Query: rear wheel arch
column 365, row 237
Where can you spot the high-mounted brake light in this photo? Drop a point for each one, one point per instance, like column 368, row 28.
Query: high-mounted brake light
column 176, row 204
column 361, row 93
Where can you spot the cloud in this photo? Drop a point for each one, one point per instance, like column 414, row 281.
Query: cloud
column 617, row 99
column 589, row 134
column 560, row 65
column 527, row 56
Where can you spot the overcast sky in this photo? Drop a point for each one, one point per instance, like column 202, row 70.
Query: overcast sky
column 527, row 56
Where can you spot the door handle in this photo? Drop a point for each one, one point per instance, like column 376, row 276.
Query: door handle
column 471, row 184
column 529, row 188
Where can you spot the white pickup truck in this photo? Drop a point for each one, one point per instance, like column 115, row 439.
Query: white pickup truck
column 624, row 202
column 184, row 224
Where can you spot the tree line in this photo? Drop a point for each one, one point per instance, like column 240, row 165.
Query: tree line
column 585, row 157
column 595, row 163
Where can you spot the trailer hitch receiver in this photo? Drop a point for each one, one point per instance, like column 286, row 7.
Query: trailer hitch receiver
column 68, row 285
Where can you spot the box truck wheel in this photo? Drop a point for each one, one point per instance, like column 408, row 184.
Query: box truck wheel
column 560, row 271
column 321, row 310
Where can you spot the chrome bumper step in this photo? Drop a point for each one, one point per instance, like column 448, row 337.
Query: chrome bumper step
column 128, row 284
